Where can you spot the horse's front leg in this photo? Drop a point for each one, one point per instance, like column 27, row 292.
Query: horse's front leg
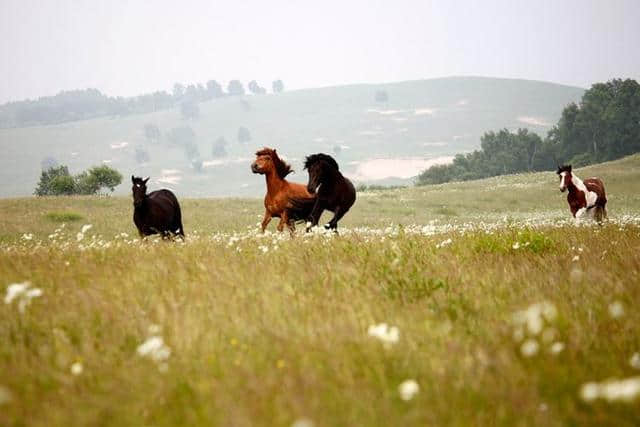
column 316, row 212
column 266, row 220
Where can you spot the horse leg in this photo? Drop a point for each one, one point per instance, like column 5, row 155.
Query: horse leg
column 291, row 224
column 316, row 212
column 337, row 214
column 284, row 220
column 266, row 220
column 580, row 213
column 178, row 228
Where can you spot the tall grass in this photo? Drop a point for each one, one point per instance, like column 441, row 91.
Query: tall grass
column 267, row 330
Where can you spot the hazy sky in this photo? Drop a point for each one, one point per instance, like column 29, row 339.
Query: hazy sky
column 132, row 47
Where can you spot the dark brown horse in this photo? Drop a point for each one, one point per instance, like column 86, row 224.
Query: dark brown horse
column 157, row 212
column 584, row 197
column 334, row 192
column 280, row 191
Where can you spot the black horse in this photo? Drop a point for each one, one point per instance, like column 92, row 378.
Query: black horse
column 334, row 192
column 157, row 212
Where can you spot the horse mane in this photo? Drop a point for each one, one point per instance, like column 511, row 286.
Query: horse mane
column 282, row 168
column 320, row 157
column 563, row 168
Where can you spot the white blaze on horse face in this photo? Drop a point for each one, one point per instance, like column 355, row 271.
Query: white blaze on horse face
column 563, row 176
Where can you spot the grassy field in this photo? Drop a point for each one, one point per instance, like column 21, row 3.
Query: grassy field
column 507, row 312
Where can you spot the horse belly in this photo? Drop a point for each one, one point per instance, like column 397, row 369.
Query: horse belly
column 591, row 198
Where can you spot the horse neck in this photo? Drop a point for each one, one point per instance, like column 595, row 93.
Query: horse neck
column 274, row 182
column 332, row 175
column 575, row 184
column 143, row 206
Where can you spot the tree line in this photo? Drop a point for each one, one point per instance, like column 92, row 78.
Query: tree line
column 90, row 103
column 604, row 125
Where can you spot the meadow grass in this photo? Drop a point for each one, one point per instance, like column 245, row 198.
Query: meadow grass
column 268, row 329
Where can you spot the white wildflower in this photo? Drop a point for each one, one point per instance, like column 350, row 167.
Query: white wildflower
column 86, row 228
column 556, row 348
column 444, row 243
column 27, row 236
column 589, row 392
column 5, row 395
column 77, row 368
column 155, row 349
column 408, row 389
column 516, row 245
column 302, row 422
column 616, row 309
column 15, row 290
column 634, row 361
column 624, row 390
column 388, row 335
column 79, row 237
column 576, row 258
column 529, row 348
column 535, row 315
column 23, row 293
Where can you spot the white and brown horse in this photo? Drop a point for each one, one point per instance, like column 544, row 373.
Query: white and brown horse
column 585, row 197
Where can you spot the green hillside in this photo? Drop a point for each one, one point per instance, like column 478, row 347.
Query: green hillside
column 422, row 120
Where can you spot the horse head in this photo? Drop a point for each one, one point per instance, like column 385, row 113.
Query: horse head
column 565, row 176
column 321, row 167
column 139, row 189
column 267, row 160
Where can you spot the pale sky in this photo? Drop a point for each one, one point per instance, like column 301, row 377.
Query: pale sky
column 133, row 47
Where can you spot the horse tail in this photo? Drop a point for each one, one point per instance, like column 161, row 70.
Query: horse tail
column 300, row 208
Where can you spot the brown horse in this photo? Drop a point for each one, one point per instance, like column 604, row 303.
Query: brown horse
column 280, row 191
column 584, row 196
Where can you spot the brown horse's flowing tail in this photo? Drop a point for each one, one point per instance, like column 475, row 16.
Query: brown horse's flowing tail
column 299, row 209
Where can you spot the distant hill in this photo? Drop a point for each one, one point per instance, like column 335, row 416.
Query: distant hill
column 420, row 123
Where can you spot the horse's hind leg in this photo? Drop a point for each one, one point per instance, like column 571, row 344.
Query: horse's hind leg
column 597, row 214
column 266, row 220
column 337, row 215
column 178, row 229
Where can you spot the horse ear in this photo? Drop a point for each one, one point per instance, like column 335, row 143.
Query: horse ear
column 132, row 180
column 569, row 167
column 145, row 181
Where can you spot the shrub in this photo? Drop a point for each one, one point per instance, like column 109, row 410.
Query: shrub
column 63, row 216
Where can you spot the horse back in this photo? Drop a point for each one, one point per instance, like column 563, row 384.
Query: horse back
column 163, row 195
column 597, row 186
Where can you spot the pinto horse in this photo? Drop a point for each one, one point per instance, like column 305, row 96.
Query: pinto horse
column 334, row 192
column 584, row 196
column 280, row 191
column 157, row 212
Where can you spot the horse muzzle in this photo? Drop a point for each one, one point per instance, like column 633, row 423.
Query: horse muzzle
column 255, row 169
